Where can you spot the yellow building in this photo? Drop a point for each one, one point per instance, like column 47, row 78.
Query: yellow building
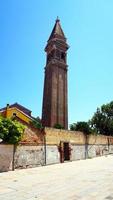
column 18, row 111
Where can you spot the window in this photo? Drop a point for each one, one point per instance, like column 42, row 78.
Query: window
column 58, row 54
column 63, row 56
column 14, row 114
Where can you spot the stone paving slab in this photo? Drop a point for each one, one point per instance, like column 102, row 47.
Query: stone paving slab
column 90, row 179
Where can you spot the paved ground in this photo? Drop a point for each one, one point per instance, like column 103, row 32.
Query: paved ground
column 90, row 179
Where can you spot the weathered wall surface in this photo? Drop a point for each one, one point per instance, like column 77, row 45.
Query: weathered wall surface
column 27, row 156
column 97, row 150
column 81, row 147
column 111, row 149
column 78, row 152
column 29, row 153
column 55, row 136
column 32, row 136
column 6, row 157
column 52, row 154
column 40, row 148
column 97, row 139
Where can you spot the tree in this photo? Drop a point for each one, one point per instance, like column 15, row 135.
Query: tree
column 102, row 120
column 86, row 129
column 81, row 126
column 11, row 131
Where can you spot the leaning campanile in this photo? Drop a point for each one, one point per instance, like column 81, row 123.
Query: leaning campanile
column 55, row 106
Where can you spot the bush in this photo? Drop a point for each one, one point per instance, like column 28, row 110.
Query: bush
column 11, row 131
column 58, row 126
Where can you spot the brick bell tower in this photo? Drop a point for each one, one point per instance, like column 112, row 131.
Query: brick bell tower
column 55, row 106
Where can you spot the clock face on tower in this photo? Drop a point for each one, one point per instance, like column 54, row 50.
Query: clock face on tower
column 55, row 109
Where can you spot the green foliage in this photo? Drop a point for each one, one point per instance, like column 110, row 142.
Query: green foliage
column 10, row 131
column 102, row 120
column 81, row 126
column 36, row 122
column 58, row 126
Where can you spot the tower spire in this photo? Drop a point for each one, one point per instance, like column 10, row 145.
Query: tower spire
column 57, row 31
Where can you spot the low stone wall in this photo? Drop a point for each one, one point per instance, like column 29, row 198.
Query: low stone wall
column 77, row 152
column 55, row 136
column 97, row 150
column 27, row 156
column 81, row 147
column 110, row 149
column 45, row 147
column 6, row 157
column 52, row 154
column 97, row 139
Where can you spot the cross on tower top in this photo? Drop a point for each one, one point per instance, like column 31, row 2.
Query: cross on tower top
column 57, row 19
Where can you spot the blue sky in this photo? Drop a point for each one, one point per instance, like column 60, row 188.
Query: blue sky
column 25, row 28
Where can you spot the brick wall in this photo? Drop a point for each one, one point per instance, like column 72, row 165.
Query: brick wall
column 32, row 136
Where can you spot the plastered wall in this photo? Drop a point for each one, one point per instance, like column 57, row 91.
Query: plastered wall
column 40, row 148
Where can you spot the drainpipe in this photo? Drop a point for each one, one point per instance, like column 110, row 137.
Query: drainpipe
column 45, row 149
column 108, row 144
column 13, row 162
column 86, row 145
column 44, row 143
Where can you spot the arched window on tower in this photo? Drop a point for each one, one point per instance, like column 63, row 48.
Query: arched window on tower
column 52, row 53
column 63, row 56
column 58, row 54
column 50, row 56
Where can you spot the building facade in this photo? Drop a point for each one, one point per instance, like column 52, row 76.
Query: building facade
column 17, row 111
